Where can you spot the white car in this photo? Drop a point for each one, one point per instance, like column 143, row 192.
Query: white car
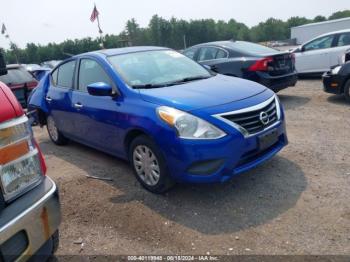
column 321, row 53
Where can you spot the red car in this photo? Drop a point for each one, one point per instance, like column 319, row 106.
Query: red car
column 29, row 202
column 20, row 81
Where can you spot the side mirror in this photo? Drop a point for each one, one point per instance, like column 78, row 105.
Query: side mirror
column 100, row 89
column 302, row 49
column 3, row 70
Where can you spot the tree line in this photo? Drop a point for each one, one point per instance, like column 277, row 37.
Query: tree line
column 173, row 33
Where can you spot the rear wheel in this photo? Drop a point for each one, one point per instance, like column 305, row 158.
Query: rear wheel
column 149, row 165
column 347, row 91
column 55, row 135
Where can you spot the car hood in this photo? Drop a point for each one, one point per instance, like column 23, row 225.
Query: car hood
column 209, row 92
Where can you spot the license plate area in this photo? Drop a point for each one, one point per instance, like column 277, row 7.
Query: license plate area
column 267, row 140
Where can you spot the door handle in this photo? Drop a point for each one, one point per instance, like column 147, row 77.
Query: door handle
column 78, row 105
column 48, row 99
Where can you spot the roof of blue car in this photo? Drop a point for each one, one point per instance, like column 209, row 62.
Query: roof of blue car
column 126, row 50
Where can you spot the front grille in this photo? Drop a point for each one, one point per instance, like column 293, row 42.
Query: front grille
column 251, row 121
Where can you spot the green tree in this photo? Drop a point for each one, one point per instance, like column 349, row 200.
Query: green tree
column 166, row 32
column 320, row 18
column 340, row 14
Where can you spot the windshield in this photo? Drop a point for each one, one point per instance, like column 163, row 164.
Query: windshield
column 157, row 68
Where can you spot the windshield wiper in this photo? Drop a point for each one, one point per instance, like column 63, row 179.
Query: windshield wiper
column 148, row 86
column 177, row 82
column 189, row 79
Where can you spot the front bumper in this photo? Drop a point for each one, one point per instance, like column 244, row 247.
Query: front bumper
column 219, row 159
column 28, row 223
column 333, row 83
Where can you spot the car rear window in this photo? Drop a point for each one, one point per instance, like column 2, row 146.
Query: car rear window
column 250, row 48
column 16, row 76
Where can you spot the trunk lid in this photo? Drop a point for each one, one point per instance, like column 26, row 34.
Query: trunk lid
column 281, row 64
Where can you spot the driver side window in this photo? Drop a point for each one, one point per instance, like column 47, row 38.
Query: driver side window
column 320, row 43
column 91, row 72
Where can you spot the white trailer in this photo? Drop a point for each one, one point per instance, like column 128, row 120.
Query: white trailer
column 306, row 32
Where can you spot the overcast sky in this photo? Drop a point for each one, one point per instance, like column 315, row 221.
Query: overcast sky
column 44, row 21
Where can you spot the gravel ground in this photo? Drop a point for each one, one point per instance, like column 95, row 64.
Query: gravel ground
column 297, row 203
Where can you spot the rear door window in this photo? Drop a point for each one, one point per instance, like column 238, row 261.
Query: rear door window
column 91, row 72
column 221, row 54
column 66, row 74
column 207, row 53
column 344, row 39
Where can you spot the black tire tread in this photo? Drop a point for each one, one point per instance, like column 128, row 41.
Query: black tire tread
column 347, row 90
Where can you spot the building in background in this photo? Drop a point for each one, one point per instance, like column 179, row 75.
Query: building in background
column 304, row 33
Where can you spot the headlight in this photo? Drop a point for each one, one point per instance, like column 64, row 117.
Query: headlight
column 189, row 126
column 20, row 166
column 20, row 175
column 278, row 107
column 335, row 70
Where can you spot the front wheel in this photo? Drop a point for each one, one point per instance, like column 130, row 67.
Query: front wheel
column 55, row 135
column 149, row 165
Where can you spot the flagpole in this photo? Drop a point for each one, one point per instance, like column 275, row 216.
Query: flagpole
column 13, row 46
column 100, row 31
column 96, row 14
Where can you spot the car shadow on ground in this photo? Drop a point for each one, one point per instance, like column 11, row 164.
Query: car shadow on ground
column 248, row 200
column 291, row 102
column 338, row 99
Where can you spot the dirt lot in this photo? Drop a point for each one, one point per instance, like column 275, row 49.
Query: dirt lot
column 297, row 203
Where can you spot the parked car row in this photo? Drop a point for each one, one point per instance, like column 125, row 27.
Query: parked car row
column 191, row 117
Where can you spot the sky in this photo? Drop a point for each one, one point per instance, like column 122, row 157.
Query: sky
column 44, row 21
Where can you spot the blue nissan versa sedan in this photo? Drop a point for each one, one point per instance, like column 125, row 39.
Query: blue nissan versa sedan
column 171, row 117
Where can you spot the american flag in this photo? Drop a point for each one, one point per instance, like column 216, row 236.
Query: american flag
column 94, row 14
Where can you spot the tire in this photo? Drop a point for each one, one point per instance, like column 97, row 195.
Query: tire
column 55, row 135
column 347, row 91
column 55, row 241
column 149, row 165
